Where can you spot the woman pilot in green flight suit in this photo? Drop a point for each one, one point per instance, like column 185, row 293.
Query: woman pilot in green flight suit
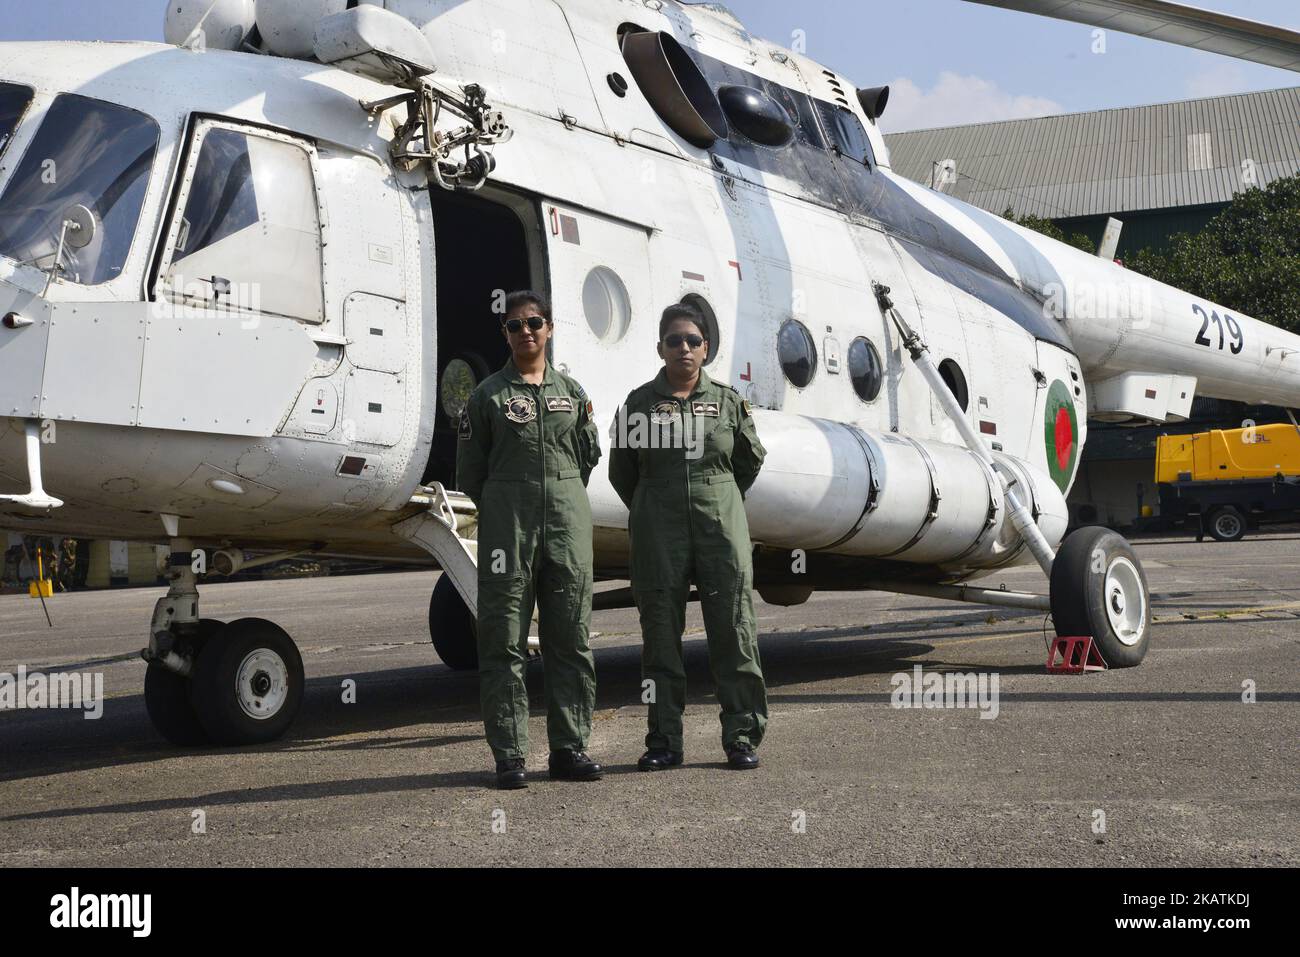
column 685, row 451
column 526, row 448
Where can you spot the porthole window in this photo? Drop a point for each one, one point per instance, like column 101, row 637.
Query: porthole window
column 711, row 331
column 797, row 352
column 459, row 380
column 606, row 305
column 865, row 369
column 956, row 380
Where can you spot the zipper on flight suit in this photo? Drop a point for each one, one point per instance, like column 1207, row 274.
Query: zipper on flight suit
column 541, row 446
column 686, row 464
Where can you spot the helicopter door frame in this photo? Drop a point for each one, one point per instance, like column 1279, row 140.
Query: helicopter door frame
column 220, row 366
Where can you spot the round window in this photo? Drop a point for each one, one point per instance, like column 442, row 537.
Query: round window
column 710, row 322
column 797, row 352
column 956, row 381
column 606, row 305
column 459, row 380
column 865, row 369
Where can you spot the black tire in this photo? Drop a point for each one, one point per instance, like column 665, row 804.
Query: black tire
column 273, row 685
column 167, row 699
column 452, row 628
column 1092, row 561
column 167, row 696
column 1227, row 524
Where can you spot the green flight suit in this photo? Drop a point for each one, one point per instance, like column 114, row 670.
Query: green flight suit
column 524, row 455
column 682, row 468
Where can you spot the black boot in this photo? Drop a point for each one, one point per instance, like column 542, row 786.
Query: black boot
column 574, row 766
column 741, row 756
column 510, row 774
column 659, row 759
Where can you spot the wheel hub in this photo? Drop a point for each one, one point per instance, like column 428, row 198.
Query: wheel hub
column 1125, row 601
column 262, row 684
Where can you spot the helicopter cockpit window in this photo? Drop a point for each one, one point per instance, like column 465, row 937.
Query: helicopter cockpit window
column 14, row 100
column 74, row 201
column 249, row 237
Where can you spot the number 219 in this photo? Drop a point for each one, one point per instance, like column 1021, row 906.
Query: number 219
column 1234, row 330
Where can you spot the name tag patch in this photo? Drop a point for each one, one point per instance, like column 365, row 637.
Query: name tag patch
column 559, row 403
column 706, row 408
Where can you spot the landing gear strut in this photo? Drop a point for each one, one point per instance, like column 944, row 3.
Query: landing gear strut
column 1098, row 587
column 210, row 682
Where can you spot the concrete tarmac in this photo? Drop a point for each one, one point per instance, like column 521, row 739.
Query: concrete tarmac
column 1163, row 764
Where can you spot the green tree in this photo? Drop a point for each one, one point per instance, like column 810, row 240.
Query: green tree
column 1051, row 230
column 1247, row 258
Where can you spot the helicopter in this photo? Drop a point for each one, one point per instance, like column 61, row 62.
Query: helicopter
column 250, row 276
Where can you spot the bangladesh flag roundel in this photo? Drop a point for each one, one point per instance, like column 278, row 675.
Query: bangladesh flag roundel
column 1061, row 434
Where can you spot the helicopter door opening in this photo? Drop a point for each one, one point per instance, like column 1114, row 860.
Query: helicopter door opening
column 483, row 251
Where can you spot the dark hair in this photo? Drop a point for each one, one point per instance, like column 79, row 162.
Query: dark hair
column 525, row 297
column 682, row 310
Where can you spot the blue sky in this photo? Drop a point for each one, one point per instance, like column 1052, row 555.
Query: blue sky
column 949, row 61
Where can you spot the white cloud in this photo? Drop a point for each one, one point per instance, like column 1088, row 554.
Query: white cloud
column 957, row 100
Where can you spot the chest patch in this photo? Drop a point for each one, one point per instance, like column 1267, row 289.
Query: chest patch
column 665, row 412
column 711, row 409
column 559, row 403
column 521, row 408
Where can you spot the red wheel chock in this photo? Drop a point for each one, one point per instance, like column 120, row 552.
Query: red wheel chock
column 1076, row 655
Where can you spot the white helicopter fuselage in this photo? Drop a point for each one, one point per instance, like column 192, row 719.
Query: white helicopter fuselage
column 309, row 418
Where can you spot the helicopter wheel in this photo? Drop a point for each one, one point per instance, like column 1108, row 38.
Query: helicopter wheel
column 248, row 683
column 452, row 628
column 167, row 696
column 1099, row 589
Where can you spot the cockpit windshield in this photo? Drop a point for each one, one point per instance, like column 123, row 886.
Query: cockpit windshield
column 74, row 201
column 14, row 100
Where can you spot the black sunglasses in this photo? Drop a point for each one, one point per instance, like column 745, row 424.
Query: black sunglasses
column 675, row 340
column 515, row 326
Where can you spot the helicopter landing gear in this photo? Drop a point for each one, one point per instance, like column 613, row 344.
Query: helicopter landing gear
column 210, row 682
column 1099, row 589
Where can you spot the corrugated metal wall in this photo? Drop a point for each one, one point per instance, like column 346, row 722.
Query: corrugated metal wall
column 1191, row 153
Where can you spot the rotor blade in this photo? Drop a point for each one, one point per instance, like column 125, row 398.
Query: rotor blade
column 1174, row 23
